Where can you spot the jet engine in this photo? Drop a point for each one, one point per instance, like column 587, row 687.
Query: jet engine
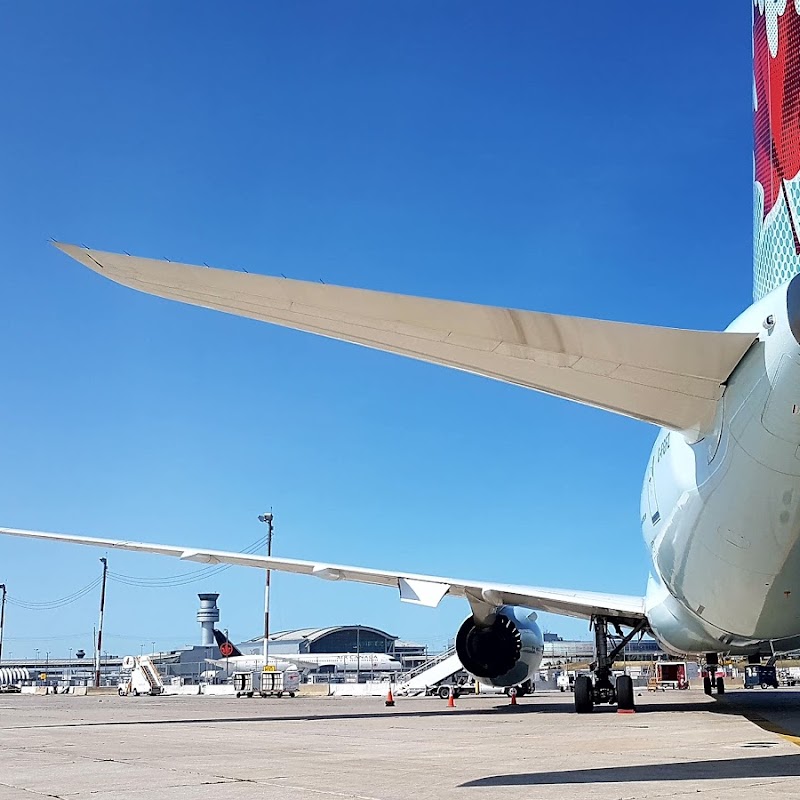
column 505, row 650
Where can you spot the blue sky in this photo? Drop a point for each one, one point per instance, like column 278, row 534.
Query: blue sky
column 583, row 158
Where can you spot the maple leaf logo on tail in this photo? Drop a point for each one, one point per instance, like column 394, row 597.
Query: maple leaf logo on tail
column 776, row 127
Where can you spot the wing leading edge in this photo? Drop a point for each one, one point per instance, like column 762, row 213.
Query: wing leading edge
column 427, row 590
column 665, row 376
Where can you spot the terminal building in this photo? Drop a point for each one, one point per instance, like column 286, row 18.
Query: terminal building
column 337, row 639
column 190, row 664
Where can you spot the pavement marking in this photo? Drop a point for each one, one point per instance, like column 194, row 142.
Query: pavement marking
column 771, row 727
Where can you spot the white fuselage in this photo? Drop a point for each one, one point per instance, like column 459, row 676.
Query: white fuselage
column 721, row 516
column 365, row 662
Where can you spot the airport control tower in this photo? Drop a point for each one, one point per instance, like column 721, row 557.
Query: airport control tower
column 207, row 616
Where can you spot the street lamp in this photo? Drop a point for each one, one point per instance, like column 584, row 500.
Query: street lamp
column 267, row 519
column 154, row 647
column 2, row 618
column 36, row 650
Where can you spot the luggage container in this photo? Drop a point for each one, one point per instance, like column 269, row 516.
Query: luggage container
column 670, row 675
column 266, row 683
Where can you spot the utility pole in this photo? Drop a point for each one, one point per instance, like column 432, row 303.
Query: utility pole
column 99, row 649
column 358, row 652
column 268, row 519
column 2, row 619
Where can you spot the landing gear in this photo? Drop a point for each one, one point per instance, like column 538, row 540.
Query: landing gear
column 584, row 701
column 588, row 693
column 625, row 700
column 710, row 682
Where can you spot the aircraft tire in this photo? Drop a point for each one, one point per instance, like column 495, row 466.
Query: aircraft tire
column 625, row 700
column 720, row 685
column 707, row 685
column 584, row 702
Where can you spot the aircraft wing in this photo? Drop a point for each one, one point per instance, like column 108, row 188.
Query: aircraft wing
column 426, row 590
column 666, row 376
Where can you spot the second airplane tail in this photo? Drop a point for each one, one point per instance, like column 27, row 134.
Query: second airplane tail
column 226, row 648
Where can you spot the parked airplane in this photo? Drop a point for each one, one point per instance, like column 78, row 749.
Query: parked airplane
column 720, row 504
column 233, row 659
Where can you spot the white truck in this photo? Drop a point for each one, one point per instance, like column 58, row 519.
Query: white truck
column 266, row 683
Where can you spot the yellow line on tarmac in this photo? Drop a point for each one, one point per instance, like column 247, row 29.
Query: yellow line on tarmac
column 772, row 727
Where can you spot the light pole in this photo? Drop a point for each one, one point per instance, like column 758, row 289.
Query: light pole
column 99, row 651
column 36, row 650
column 154, row 647
column 267, row 518
column 2, row 619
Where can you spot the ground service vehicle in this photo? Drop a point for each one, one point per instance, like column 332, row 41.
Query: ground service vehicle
column 760, row 675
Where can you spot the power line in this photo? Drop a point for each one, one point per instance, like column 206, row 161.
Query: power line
column 181, row 579
column 49, row 605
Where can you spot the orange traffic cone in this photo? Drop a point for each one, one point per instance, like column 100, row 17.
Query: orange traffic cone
column 389, row 698
column 513, row 695
column 451, row 699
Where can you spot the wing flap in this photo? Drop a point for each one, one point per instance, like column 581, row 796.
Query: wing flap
column 666, row 376
column 420, row 589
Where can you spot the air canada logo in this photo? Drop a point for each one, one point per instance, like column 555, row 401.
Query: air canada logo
column 776, row 104
column 226, row 648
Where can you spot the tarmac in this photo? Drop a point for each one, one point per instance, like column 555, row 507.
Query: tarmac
column 679, row 743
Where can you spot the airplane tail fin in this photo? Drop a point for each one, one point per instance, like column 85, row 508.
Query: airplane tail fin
column 226, row 648
column 776, row 143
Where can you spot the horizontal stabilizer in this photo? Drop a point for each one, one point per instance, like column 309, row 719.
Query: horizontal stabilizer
column 666, row 376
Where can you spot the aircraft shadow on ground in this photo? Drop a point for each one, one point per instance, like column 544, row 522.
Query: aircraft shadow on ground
column 437, row 709
column 786, row 701
column 783, row 766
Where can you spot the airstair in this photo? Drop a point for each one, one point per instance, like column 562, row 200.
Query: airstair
column 433, row 671
column 143, row 676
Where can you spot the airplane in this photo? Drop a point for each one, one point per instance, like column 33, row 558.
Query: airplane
column 720, row 502
column 233, row 659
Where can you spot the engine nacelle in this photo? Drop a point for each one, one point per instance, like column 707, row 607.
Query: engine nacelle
column 505, row 652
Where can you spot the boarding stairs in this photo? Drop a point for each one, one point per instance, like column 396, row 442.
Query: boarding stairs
column 151, row 674
column 143, row 678
column 431, row 672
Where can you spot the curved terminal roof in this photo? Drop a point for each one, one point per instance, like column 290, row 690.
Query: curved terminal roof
column 312, row 635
